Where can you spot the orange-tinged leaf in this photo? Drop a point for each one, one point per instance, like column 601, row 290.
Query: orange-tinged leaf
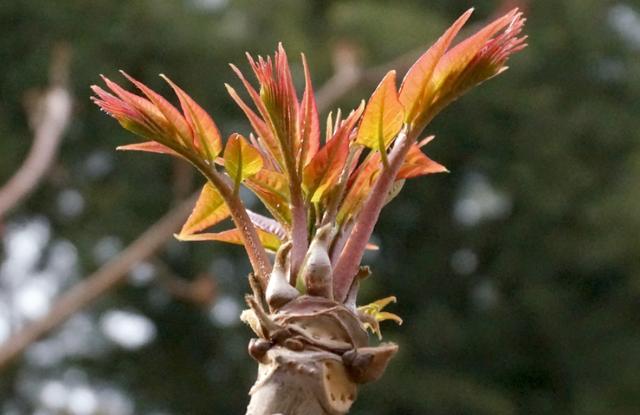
column 259, row 126
column 476, row 59
column 418, row 164
column 278, row 97
column 416, row 84
column 272, row 188
column 274, row 181
column 173, row 116
column 133, row 112
column 360, row 184
column 383, row 117
column 205, row 130
column 149, row 147
column 210, row 209
column 327, row 165
column 309, row 120
column 459, row 56
column 241, row 160
column 268, row 240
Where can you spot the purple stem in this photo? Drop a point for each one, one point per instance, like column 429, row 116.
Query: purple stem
column 347, row 266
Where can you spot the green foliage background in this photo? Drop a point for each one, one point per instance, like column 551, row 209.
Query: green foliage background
column 529, row 307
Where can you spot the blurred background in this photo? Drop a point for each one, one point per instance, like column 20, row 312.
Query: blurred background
column 517, row 274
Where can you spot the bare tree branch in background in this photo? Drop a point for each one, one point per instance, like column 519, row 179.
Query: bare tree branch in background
column 98, row 283
column 49, row 117
column 200, row 291
column 348, row 76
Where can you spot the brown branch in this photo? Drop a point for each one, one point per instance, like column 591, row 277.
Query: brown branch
column 98, row 283
column 49, row 118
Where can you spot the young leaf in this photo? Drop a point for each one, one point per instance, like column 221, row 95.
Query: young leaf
column 374, row 310
column 309, row 120
column 477, row 58
column 272, row 188
column 383, row 117
column 149, row 147
column 416, row 84
column 268, row 240
column 205, row 130
column 210, row 209
column 260, row 126
column 241, row 160
column 360, row 184
column 326, row 166
column 418, row 164
column 134, row 113
column 173, row 116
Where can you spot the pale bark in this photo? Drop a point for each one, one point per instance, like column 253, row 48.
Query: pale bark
column 312, row 353
column 301, row 383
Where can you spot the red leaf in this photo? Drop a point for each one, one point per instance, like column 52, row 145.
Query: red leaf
column 360, row 184
column 326, row 166
column 477, row 58
column 416, row 84
column 173, row 116
column 309, row 120
column 259, row 125
column 149, row 147
column 206, row 131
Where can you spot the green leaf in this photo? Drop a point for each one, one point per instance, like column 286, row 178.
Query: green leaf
column 210, row 209
column 241, row 160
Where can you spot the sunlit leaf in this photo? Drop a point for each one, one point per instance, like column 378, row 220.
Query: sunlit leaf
column 205, row 130
column 259, row 125
column 417, row 82
column 375, row 311
column 383, row 117
column 149, row 147
column 241, row 160
column 326, row 166
column 233, row 236
column 309, row 119
column 210, row 209
column 395, row 190
column 418, row 164
column 133, row 112
column 481, row 46
column 173, row 116
column 272, row 188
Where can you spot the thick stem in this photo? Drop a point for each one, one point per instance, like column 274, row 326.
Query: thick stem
column 313, row 353
column 296, row 384
column 299, row 233
column 347, row 266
